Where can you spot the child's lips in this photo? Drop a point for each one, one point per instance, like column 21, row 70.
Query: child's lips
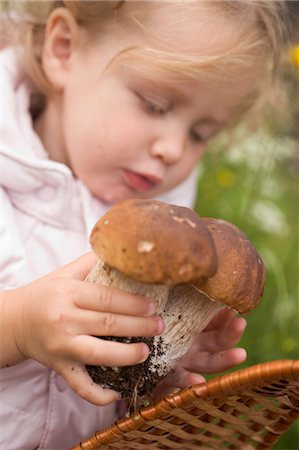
column 141, row 182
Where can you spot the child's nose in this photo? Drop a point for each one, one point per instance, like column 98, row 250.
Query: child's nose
column 169, row 147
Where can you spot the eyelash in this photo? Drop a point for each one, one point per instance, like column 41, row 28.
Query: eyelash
column 155, row 109
column 197, row 138
column 152, row 107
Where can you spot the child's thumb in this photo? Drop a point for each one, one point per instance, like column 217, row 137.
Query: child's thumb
column 83, row 265
column 81, row 383
column 77, row 269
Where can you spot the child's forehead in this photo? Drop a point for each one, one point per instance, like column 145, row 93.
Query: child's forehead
column 172, row 69
column 194, row 27
column 189, row 39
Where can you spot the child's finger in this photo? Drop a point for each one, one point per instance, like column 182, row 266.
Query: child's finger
column 169, row 384
column 216, row 340
column 179, row 379
column 108, row 324
column 98, row 352
column 221, row 319
column 230, row 335
column 78, row 379
column 77, row 269
column 182, row 378
column 216, row 362
column 101, row 298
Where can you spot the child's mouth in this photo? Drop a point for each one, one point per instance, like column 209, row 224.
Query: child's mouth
column 140, row 182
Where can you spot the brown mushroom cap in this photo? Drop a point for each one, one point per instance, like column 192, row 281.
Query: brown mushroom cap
column 154, row 242
column 240, row 277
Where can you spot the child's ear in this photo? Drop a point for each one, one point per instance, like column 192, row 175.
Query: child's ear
column 61, row 38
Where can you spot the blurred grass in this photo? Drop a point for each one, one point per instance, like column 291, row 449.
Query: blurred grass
column 254, row 184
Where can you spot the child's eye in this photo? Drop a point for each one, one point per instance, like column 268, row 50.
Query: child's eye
column 154, row 108
column 154, row 105
column 196, row 137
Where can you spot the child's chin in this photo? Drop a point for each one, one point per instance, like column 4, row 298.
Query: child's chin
column 111, row 198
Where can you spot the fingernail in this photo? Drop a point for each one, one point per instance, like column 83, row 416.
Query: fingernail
column 242, row 353
column 243, row 323
column 160, row 325
column 197, row 379
column 145, row 353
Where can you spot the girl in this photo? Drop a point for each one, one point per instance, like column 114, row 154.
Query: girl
column 106, row 101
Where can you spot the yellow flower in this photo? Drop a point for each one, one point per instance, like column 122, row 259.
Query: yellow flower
column 294, row 55
column 226, row 178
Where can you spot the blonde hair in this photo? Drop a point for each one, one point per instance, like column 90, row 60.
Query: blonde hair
column 261, row 47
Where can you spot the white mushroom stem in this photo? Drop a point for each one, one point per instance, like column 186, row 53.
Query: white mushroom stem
column 104, row 275
column 185, row 310
column 187, row 313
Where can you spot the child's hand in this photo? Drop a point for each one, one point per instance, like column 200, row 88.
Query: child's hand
column 212, row 352
column 57, row 317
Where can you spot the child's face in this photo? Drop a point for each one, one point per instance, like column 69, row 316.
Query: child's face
column 125, row 134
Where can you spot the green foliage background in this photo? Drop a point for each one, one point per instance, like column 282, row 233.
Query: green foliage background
column 254, row 184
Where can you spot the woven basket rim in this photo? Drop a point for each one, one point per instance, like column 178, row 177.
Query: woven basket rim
column 236, row 382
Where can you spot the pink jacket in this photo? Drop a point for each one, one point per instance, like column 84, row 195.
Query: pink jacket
column 46, row 221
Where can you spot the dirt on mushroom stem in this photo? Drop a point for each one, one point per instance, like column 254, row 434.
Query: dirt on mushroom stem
column 134, row 382
column 140, row 258
column 138, row 380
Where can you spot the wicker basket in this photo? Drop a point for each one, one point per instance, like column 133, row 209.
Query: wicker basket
column 246, row 409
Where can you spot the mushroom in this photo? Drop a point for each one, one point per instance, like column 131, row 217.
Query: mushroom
column 191, row 267
column 238, row 283
column 240, row 278
column 145, row 247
